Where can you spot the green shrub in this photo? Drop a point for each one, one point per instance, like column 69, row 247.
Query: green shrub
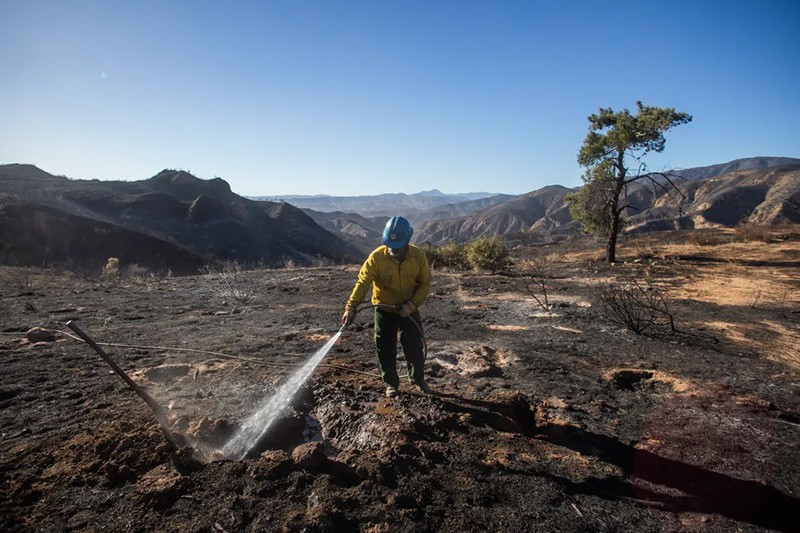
column 488, row 253
column 432, row 253
column 452, row 255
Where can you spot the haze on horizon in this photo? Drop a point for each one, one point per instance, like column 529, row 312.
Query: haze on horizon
column 356, row 98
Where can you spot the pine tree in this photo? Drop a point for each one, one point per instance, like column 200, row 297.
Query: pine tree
column 617, row 140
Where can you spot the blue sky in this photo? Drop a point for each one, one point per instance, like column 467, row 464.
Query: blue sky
column 346, row 97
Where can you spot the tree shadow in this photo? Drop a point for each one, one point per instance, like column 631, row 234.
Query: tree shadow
column 703, row 491
column 705, row 259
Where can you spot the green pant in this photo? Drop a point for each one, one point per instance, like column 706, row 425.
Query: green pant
column 386, row 325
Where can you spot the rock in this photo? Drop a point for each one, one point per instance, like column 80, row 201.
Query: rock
column 164, row 448
column 118, row 474
column 342, row 472
column 164, row 373
column 269, row 465
column 161, row 487
column 309, row 455
column 38, row 334
column 274, row 456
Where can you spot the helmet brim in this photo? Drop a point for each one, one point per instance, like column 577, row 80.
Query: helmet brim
column 396, row 245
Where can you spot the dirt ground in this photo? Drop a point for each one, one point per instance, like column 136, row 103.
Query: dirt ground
column 542, row 420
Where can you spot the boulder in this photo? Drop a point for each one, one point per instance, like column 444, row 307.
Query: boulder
column 38, row 334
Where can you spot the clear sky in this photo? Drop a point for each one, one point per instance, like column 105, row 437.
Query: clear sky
column 350, row 97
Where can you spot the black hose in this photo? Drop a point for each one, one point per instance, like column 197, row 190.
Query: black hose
column 393, row 308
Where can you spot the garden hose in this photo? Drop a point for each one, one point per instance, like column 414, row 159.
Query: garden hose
column 217, row 354
column 394, row 309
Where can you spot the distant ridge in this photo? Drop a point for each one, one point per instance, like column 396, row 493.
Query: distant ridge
column 760, row 189
column 746, row 163
column 173, row 220
column 543, row 209
column 389, row 204
column 178, row 221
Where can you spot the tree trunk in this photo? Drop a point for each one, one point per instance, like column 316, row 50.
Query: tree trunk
column 613, row 230
column 614, row 214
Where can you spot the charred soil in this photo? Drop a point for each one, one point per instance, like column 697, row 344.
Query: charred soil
column 556, row 419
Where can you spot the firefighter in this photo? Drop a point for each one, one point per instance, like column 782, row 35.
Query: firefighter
column 400, row 278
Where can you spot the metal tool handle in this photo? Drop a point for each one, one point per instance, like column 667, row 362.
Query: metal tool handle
column 154, row 405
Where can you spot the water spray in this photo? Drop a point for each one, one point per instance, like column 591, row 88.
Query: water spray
column 256, row 426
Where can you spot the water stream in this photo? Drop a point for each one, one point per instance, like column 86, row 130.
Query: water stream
column 256, row 426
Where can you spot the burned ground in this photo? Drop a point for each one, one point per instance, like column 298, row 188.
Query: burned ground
column 542, row 420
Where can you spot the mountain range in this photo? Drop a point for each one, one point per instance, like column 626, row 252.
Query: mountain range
column 173, row 220
column 758, row 189
column 177, row 221
column 413, row 206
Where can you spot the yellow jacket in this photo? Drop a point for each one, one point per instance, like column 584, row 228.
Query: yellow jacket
column 393, row 282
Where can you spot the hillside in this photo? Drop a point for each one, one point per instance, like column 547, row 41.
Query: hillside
column 362, row 232
column 745, row 163
column 768, row 196
column 543, row 209
column 459, row 209
column 171, row 221
column 762, row 190
column 365, row 232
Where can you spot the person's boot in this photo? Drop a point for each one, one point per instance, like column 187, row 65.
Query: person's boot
column 391, row 392
column 422, row 387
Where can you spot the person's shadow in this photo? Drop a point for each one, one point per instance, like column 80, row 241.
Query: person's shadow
column 703, row 491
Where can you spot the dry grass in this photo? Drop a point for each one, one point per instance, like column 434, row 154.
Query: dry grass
column 749, row 232
column 705, row 239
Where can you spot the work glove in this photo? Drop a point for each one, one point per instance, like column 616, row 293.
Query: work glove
column 348, row 316
column 406, row 309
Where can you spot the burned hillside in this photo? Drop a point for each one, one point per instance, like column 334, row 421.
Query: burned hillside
column 554, row 418
column 172, row 221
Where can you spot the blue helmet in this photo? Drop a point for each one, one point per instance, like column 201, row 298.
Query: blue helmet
column 397, row 232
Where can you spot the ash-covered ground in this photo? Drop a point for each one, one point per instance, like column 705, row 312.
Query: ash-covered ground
column 543, row 420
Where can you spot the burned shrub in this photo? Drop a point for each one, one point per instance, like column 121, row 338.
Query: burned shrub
column 539, row 270
column 136, row 272
column 637, row 306
column 111, row 268
column 233, row 283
